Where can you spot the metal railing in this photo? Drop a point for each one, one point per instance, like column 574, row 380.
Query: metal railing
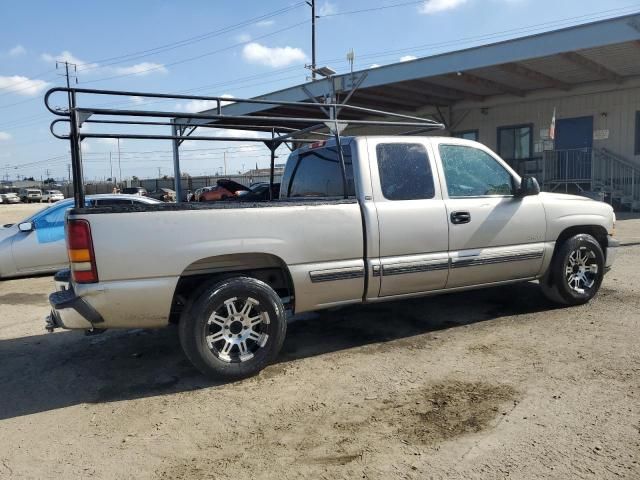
column 596, row 171
column 564, row 167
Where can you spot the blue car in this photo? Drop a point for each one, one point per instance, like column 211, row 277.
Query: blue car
column 37, row 245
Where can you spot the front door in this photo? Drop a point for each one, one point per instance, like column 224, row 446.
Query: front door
column 573, row 143
column 494, row 236
column 411, row 217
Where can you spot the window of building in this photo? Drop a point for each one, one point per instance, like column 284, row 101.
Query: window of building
column 637, row 132
column 317, row 173
column 471, row 172
column 405, row 173
column 515, row 142
column 467, row 135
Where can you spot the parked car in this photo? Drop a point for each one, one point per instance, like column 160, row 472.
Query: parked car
column 9, row 198
column 36, row 245
column 224, row 189
column 135, row 191
column 413, row 216
column 258, row 193
column 51, row 196
column 163, row 194
column 28, row 195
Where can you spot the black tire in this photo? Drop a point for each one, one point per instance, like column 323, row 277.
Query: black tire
column 566, row 283
column 206, row 344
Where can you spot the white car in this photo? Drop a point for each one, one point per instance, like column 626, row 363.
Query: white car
column 9, row 198
column 37, row 244
column 52, row 196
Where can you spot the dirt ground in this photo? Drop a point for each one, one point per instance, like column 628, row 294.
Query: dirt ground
column 487, row 384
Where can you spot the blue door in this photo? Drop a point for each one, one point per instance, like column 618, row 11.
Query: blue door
column 574, row 139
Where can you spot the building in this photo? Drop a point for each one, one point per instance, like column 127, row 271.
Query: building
column 505, row 95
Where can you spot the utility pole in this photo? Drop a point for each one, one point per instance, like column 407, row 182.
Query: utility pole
column 119, row 164
column 312, row 4
column 224, row 155
column 69, row 172
column 159, row 172
column 111, row 168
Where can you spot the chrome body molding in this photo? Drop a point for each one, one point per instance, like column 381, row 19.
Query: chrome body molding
column 414, row 267
column 496, row 258
column 336, row 274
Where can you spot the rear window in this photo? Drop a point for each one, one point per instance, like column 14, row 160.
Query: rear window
column 405, row 173
column 317, row 173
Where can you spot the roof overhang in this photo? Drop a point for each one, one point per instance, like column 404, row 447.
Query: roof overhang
column 602, row 51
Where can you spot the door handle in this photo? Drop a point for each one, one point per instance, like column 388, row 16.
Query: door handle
column 458, row 218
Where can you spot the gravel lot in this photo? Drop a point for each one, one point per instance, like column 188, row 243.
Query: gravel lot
column 488, row 384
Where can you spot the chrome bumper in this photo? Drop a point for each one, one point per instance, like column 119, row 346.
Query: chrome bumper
column 611, row 253
column 69, row 311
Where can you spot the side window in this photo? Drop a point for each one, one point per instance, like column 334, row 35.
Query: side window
column 471, row 172
column 405, row 173
column 50, row 224
column 113, row 201
column 318, row 174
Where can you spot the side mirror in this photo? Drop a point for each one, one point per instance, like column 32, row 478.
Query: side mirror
column 26, row 226
column 528, row 186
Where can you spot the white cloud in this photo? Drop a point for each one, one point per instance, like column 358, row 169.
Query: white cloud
column 407, row 58
column 4, row 136
column 243, row 38
column 434, row 6
column 195, row 106
column 22, row 85
column 67, row 56
column 142, row 69
column 17, row 51
column 374, row 65
column 86, row 68
column 327, row 8
column 265, row 23
column 272, row 56
column 137, row 100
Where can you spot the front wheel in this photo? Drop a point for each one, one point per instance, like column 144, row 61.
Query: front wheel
column 233, row 329
column 576, row 271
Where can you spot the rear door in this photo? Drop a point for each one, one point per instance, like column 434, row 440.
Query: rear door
column 493, row 235
column 412, row 221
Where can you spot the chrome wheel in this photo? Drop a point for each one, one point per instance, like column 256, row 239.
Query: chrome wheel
column 581, row 269
column 237, row 329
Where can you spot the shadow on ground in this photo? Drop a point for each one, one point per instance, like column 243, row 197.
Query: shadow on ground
column 51, row 371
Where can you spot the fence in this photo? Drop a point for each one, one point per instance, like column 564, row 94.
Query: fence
column 193, row 183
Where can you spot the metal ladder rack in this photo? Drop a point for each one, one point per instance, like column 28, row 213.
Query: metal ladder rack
column 284, row 129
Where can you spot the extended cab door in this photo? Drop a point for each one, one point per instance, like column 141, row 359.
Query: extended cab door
column 412, row 220
column 493, row 235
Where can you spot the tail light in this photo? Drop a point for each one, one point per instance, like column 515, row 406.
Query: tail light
column 80, row 250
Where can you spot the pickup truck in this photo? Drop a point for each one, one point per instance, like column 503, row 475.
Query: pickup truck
column 420, row 216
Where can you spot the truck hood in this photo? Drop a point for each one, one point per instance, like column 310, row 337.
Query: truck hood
column 563, row 196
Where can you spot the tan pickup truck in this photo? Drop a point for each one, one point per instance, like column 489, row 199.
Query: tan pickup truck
column 424, row 215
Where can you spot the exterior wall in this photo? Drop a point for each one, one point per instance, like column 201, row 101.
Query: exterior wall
column 613, row 108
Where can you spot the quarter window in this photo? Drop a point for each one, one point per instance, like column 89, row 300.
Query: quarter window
column 405, row 173
column 471, row 172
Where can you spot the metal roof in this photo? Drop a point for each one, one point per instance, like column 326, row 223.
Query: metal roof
column 602, row 51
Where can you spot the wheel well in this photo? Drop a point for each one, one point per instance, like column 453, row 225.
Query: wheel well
column 265, row 267
column 596, row 231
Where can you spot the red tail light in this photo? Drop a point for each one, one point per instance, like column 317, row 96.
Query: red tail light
column 80, row 250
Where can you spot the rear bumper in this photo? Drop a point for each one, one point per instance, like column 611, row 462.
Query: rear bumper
column 612, row 252
column 72, row 312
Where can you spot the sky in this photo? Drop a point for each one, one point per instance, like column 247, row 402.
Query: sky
column 231, row 48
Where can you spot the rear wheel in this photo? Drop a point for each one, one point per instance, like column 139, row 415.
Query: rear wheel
column 233, row 329
column 576, row 271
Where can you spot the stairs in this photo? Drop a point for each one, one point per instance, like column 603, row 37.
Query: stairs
column 617, row 178
column 599, row 174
